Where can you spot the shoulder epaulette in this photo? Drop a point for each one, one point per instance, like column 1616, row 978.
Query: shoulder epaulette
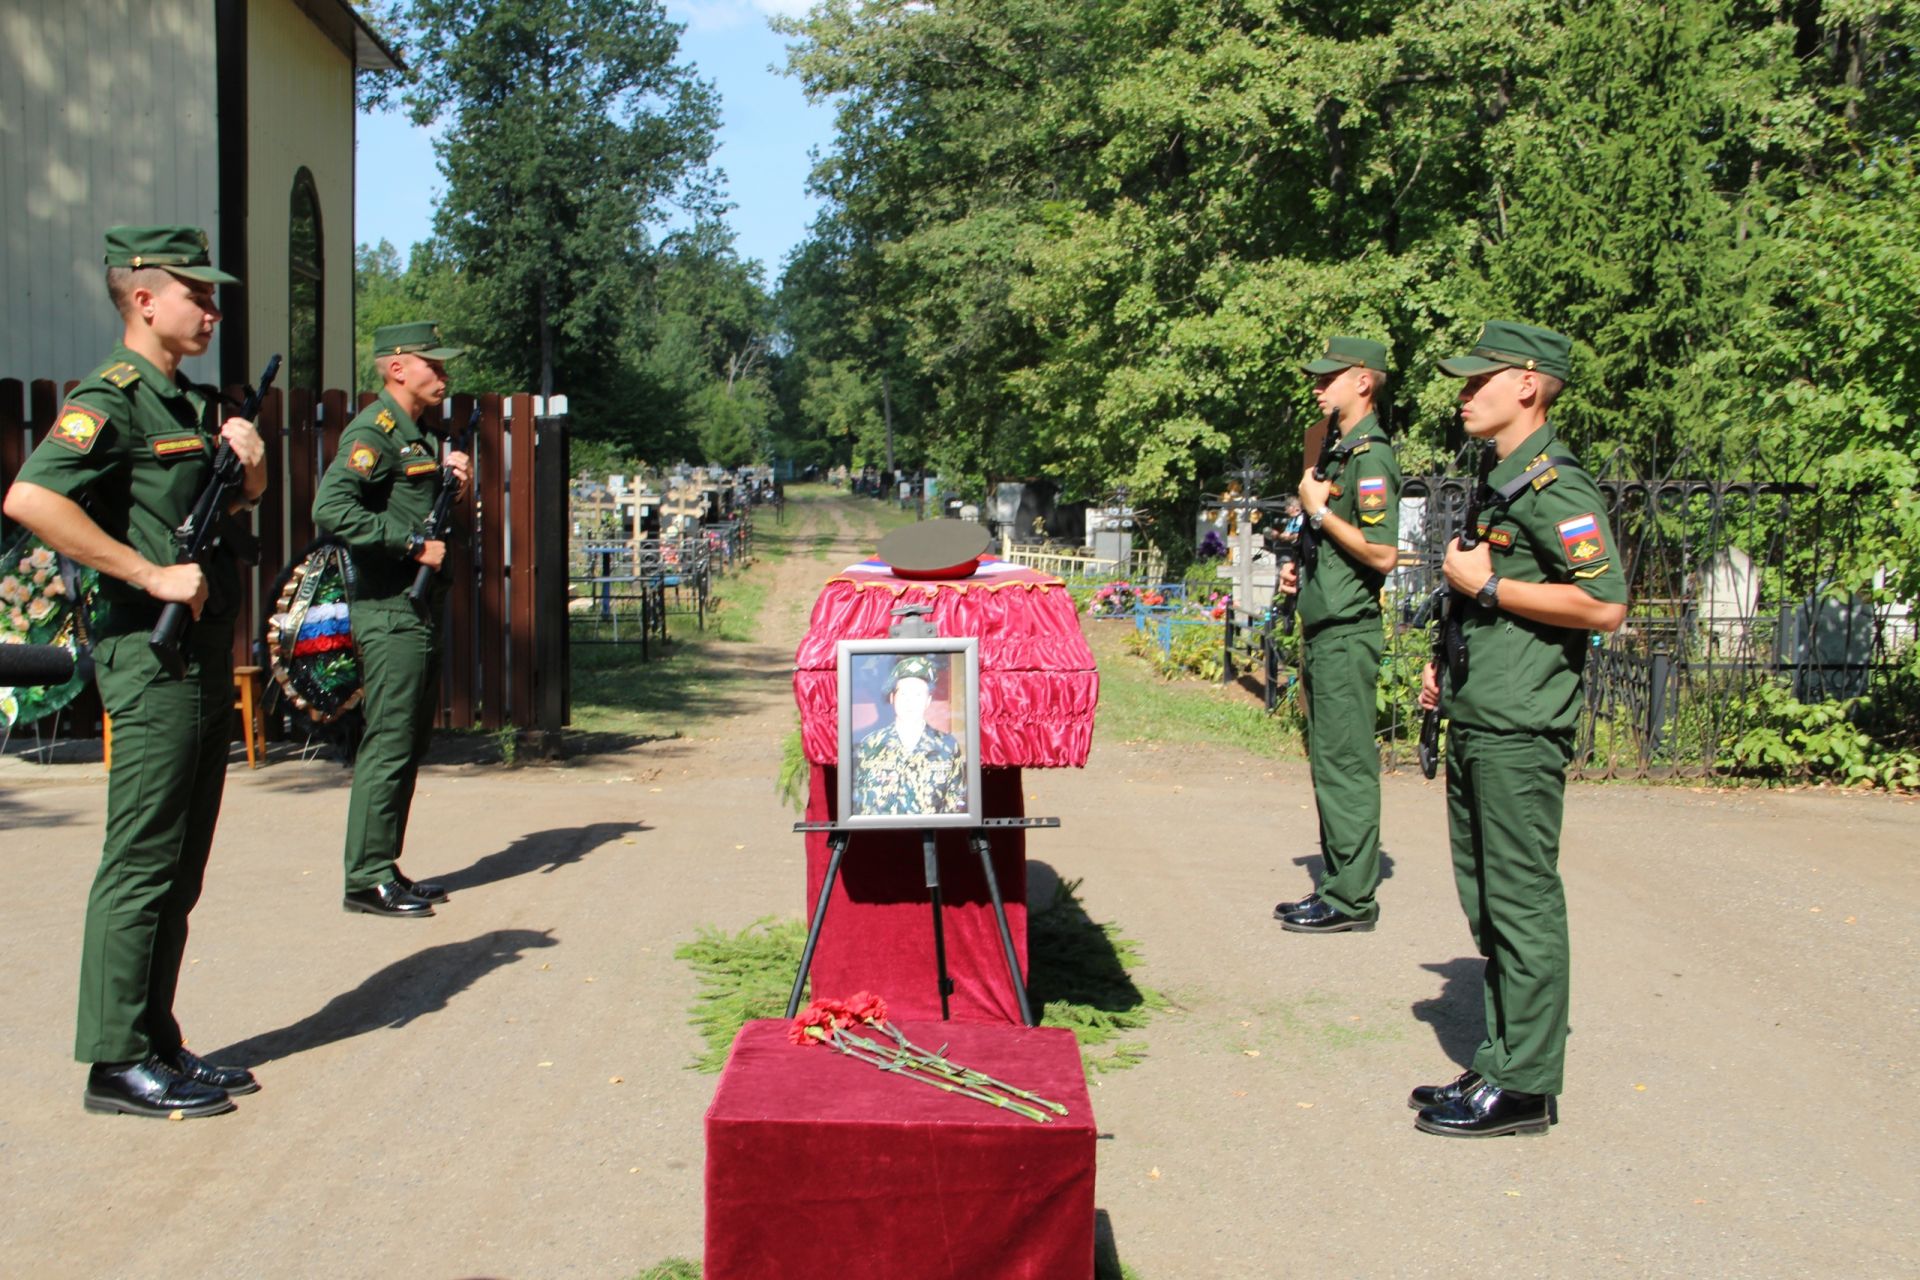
column 385, row 420
column 120, row 373
column 1546, row 476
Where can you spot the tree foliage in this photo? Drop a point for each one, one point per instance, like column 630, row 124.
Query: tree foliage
column 1095, row 241
column 571, row 136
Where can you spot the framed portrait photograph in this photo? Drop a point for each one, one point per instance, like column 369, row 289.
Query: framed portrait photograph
column 909, row 733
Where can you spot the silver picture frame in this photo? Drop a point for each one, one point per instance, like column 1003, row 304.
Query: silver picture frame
column 933, row 780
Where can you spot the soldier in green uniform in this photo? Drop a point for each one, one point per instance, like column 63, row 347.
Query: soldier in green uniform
column 908, row 766
column 120, row 470
column 1355, row 512
column 376, row 497
column 1544, row 577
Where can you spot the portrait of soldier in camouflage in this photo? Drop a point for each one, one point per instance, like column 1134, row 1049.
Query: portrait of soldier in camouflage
column 906, row 766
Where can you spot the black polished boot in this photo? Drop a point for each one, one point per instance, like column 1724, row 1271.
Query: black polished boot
column 389, row 899
column 425, row 890
column 1281, row 910
column 1488, row 1111
column 150, row 1088
column 191, row 1066
column 1318, row 917
column 1433, row 1095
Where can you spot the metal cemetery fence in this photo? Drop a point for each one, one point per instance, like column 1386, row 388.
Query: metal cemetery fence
column 1730, row 587
column 623, row 593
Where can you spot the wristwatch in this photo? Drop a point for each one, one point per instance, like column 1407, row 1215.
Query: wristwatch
column 1319, row 517
column 416, row 543
column 1489, row 592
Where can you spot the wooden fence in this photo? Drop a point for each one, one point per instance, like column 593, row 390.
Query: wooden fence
column 505, row 660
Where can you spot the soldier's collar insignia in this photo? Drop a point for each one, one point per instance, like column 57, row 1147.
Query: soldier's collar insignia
column 362, row 459
column 121, row 374
column 77, row 427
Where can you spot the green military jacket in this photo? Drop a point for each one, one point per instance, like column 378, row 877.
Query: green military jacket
column 1366, row 494
column 888, row 778
column 377, row 494
column 1524, row 676
column 136, row 448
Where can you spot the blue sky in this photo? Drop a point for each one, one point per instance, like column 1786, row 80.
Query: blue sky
column 766, row 130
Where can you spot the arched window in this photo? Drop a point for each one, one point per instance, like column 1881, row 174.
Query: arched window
column 306, row 290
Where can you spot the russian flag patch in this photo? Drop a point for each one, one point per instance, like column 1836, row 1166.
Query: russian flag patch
column 1373, row 492
column 1581, row 538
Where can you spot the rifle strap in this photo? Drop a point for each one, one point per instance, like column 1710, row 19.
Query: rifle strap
column 1535, row 476
column 1347, row 448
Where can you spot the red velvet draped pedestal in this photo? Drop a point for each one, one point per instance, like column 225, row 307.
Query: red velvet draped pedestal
column 879, row 930
column 819, row 1166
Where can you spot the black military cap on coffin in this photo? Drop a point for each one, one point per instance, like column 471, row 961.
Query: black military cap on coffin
column 935, row 549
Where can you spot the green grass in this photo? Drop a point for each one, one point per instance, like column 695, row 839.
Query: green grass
column 1078, row 971
column 671, row 1269
column 1138, row 705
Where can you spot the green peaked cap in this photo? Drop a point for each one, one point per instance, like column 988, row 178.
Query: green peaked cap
column 416, row 338
column 913, row 667
column 1343, row 352
column 1508, row 344
column 181, row 250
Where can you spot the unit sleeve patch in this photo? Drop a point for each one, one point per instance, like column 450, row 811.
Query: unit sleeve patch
column 77, row 427
column 1373, row 493
column 362, row 459
column 1580, row 538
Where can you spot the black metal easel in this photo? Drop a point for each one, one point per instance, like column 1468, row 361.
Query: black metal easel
column 838, row 837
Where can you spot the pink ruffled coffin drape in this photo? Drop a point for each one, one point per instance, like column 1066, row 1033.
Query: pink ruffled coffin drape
column 1037, row 698
column 1038, row 686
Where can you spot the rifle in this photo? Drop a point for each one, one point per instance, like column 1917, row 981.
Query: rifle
column 1286, row 550
column 441, row 516
column 1309, row 542
column 1443, row 607
column 200, row 536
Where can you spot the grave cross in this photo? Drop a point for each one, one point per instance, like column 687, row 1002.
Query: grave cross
column 1250, row 476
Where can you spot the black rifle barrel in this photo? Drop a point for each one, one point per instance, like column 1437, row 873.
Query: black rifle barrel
column 200, row 536
column 1449, row 642
column 1309, row 540
column 442, row 514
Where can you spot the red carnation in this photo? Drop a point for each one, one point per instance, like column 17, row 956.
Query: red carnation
column 867, row 1007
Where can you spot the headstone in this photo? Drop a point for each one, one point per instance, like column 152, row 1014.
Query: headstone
column 1726, row 592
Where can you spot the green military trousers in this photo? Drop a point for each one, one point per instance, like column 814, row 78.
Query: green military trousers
column 1340, row 672
column 400, row 670
column 170, row 741
column 1506, row 793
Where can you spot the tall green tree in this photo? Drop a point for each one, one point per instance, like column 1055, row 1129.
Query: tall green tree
column 568, row 127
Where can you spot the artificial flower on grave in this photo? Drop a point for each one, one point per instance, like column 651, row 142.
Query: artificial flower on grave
column 837, row 1024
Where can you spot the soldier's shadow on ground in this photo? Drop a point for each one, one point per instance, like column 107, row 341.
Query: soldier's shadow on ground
column 1457, row 1012
column 541, row 851
column 1317, row 866
column 422, row 983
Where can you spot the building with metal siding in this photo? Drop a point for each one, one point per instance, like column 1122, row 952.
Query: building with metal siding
column 212, row 112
